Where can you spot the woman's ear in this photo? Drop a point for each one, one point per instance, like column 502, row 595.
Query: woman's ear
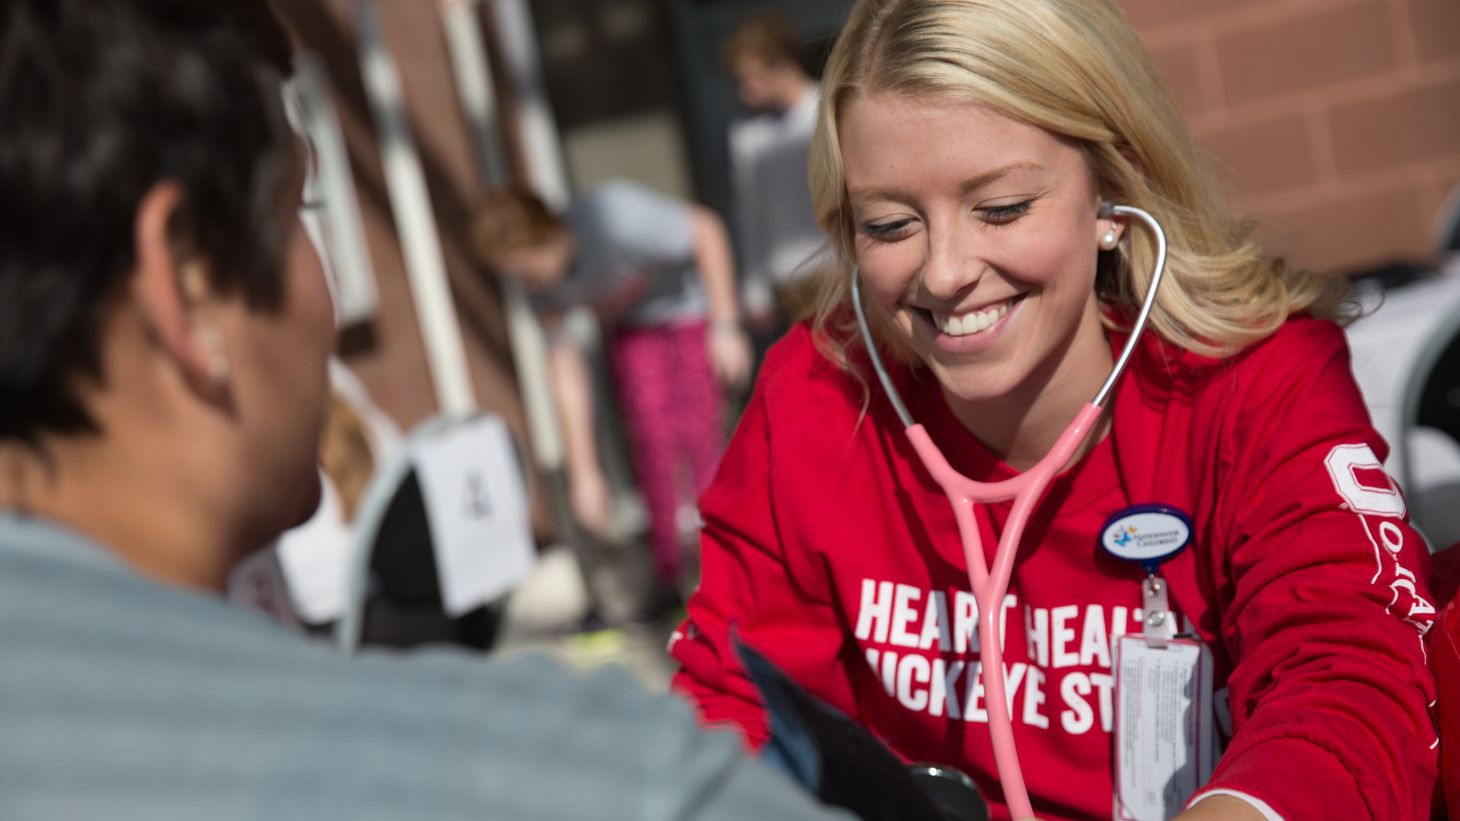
column 172, row 291
column 1110, row 229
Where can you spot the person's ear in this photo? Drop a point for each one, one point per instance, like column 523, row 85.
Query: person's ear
column 1110, row 229
column 173, row 292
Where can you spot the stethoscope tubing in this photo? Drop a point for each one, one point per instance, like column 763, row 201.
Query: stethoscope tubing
column 989, row 585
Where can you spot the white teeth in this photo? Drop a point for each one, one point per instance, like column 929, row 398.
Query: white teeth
column 972, row 322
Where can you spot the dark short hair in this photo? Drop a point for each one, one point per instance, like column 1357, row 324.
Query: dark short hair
column 766, row 34
column 101, row 100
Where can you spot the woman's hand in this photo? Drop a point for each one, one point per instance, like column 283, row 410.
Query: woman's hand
column 729, row 351
column 590, row 499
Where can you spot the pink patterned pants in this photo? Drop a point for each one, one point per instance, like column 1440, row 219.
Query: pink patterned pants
column 672, row 409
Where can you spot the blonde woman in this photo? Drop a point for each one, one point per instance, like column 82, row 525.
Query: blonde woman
column 962, row 154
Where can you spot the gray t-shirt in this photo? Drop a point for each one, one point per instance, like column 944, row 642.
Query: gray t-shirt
column 636, row 246
column 128, row 700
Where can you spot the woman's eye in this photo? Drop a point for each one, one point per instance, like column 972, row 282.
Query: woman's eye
column 1001, row 214
column 887, row 231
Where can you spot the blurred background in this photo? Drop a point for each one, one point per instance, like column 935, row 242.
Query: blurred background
column 1335, row 123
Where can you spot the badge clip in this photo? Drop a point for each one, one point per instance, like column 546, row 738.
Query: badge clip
column 1158, row 623
column 1148, row 535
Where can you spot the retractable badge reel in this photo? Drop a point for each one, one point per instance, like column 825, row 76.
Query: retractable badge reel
column 1164, row 743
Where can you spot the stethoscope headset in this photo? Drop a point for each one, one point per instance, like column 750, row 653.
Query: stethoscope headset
column 1026, row 490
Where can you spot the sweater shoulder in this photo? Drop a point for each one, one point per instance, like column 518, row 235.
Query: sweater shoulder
column 807, row 398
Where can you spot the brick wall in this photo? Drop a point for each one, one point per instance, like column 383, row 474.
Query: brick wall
column 1336, row 123
column 391, row 359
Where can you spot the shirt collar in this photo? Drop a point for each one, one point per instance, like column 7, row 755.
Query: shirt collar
column 29, row 534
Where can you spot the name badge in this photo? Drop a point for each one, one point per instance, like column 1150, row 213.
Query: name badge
column 1165, row 746
column 1146, row 534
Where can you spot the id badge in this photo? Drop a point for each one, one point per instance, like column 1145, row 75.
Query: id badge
column 1165, row 745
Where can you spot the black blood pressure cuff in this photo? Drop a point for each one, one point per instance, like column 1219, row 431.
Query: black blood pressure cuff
column 830, row 755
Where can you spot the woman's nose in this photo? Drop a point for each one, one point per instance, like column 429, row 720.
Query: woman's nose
column 952, row 265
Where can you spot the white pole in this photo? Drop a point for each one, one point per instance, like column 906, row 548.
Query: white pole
column 529, row 349
column 540, row 141
column 411, row 204
column 529, row 355
column 356, row 293
column 474, row 88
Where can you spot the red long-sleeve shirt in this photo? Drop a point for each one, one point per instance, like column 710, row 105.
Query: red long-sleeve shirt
column 837, row 556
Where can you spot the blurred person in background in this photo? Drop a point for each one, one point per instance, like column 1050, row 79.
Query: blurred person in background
column 164, row 332
column 659, row 275
column 776, row 230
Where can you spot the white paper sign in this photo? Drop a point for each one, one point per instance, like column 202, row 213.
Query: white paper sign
column 315, row 558
column 1164, row 745
column 476, row 506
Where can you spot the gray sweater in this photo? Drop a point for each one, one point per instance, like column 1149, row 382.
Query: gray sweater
column 124, row 699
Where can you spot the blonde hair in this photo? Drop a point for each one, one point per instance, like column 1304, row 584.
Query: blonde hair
column 1076, row 69
column 345, row 453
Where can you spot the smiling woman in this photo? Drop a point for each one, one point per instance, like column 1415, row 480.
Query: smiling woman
column 964, row 154
column 977, row 239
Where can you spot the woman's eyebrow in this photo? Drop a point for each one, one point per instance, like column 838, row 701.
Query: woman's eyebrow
column 974, row 183
column 1001, row 172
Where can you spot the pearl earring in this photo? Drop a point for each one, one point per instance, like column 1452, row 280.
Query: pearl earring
column 1109, row 241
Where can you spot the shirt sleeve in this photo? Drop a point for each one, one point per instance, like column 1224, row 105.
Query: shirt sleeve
column 749, row 231
column 748, row 584
column 1328, row 602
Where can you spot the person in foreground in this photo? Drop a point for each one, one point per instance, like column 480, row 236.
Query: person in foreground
column 962, row 154
column 164, row 331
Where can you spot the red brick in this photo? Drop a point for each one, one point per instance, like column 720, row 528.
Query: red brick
column 1306, row 52
column 1416, row 125
column 1177, row 65
column 1148, row 14
column 1264, row 157
column 1436, row 27
column 1350, row 233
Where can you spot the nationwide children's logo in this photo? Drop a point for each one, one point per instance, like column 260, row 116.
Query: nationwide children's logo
column 1146, row 533
column 1124, row 537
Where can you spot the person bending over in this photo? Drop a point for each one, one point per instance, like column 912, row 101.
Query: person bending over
column 659, row 275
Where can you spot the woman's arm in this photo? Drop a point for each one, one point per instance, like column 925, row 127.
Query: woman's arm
column 729, row 347
column 1325, row 602
column 747, row 586
column 573, row 392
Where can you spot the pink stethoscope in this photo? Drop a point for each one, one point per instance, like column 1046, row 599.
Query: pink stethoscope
column 989, row 586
